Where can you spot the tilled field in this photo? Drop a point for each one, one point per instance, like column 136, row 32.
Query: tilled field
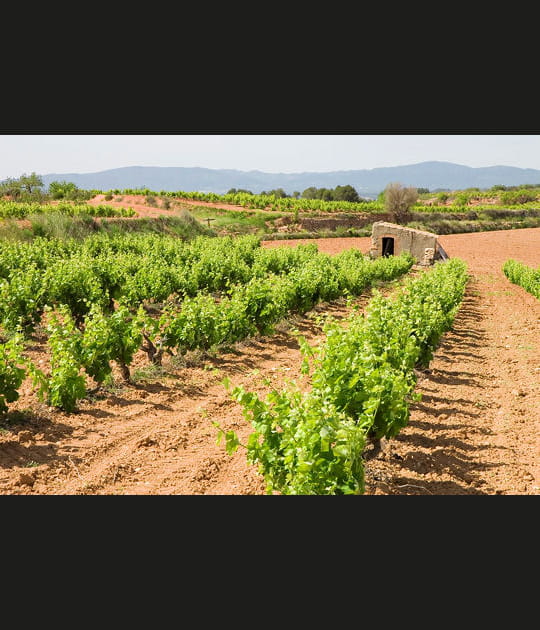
column 476, row 430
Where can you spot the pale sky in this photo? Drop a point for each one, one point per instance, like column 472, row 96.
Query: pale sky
column 271, row 153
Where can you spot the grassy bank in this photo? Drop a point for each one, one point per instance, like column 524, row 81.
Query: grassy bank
column 237, row 221
column 185, row 226
column 188, row 225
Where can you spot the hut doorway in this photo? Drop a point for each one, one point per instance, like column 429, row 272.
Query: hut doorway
column 387, row 246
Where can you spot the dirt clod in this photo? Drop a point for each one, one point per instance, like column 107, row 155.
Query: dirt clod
column 25, row 436
column 26, row 479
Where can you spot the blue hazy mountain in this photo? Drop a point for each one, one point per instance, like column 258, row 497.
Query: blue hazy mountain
column 368, row 182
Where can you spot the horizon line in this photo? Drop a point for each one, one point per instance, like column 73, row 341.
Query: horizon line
column 342, row 170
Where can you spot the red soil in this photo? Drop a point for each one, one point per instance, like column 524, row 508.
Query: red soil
column 137, row 202
column 476, row 430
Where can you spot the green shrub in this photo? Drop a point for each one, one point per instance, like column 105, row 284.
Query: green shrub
column 517, row 197
column 362, row 378
column 524, row 276
column 11, row 374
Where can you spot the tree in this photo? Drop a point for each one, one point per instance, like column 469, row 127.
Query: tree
column 234, row 191
column 31, row 182
column 311, row 193
column 11, row 187
column 339, row 193
column 278, row 192
column 346, row 193
column 398, row 201
column 26, row 187
column 318, row 193
column 62, row 190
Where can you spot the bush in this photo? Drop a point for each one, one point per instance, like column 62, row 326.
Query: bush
column 11, row 374
column 398, row 201
column 61, row 226
column 517, row 197
column 461, row 199
column 524, row 276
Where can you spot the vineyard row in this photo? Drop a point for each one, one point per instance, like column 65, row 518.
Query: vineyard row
column 293, row 204
column 16, row 210
column 524, row 276
column 83, row 342
column 362, row 382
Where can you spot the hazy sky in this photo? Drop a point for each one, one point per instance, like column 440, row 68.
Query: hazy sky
column 273, row 153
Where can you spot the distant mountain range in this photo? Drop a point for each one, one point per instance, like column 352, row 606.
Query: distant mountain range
column 368, row 182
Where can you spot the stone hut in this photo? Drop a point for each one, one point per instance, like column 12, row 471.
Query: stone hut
column 389, row 239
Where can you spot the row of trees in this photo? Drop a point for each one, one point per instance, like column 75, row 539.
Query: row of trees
column 397, row 199
column 30, row 188
column 339, row 193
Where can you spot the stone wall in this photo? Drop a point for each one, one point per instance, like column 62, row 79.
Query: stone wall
column 313, row 224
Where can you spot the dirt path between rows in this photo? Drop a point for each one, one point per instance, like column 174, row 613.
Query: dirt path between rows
column 477, row 428
column 474, row 432
column 156, row 437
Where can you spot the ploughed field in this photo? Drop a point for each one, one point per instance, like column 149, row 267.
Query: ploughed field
column 474, row 431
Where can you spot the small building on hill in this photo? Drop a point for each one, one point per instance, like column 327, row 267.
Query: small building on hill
column 389, row 239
